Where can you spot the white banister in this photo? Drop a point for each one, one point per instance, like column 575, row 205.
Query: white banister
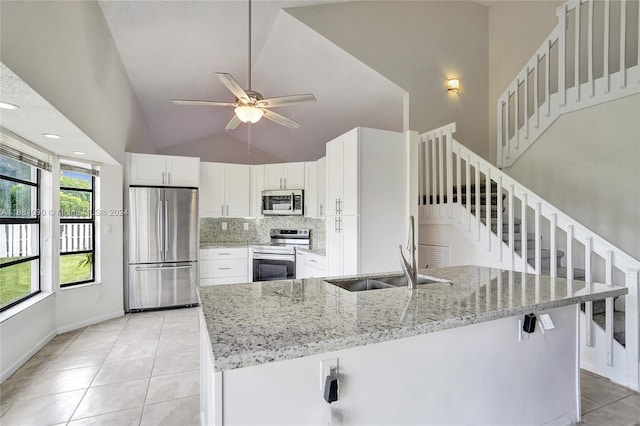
column 607, row 78
column 466, row 207
column 590, row 77
column 623, row 42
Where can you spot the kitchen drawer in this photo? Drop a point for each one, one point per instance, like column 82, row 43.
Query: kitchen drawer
column 315, row 261
column 224, row 253
column 313, row 272
column 225, row 280
column 223, row 268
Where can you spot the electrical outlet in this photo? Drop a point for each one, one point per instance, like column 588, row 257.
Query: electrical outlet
column 224, row 226
column 325, row 366
column 246, row 226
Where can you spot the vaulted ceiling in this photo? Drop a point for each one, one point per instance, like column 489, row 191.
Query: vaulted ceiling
column 171, row 50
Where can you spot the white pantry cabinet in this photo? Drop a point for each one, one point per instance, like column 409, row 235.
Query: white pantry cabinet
column 224, row 266
column 367, row 201
column 284, row 176
column 225, row 190
column 163, row 170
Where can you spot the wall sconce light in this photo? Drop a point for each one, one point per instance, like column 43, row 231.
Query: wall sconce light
column 453, row 85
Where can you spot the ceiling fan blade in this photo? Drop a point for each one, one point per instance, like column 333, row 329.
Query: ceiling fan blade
column 206, row 103
column 233, row 123
column 280, row 119
column 286, row 100
column 233, row 85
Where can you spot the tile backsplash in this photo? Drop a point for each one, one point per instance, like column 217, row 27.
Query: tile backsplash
column 211, row 231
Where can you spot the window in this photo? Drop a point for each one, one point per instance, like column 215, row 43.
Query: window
column 77, row 225
column 19, row 229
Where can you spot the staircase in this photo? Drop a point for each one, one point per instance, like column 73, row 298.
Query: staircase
column 517, row 230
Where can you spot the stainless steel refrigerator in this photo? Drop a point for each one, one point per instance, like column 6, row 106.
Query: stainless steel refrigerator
column 163, row 247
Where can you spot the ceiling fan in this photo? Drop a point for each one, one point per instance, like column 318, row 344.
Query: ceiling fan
column 250, row 105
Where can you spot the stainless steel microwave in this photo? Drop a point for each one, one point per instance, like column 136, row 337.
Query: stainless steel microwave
column 283, row 202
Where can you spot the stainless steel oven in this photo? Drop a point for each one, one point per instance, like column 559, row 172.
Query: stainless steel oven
column 277, row 261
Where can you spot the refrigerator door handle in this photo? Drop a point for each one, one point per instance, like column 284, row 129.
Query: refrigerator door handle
column 162, row 268
column 166, row 226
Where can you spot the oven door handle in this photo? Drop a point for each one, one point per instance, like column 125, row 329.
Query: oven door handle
column 285, row 258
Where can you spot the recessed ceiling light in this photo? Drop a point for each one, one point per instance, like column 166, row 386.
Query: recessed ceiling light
column 79, row 152
column 51, row 136
column 6, row 105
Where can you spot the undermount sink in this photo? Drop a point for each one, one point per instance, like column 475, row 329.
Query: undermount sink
column 377, row 283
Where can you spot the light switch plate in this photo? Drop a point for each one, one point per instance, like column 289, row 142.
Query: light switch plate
column 224, row 226
column 246, row 226
column 546, row 322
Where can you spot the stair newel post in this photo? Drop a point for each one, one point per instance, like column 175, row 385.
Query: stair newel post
column 609, row 308
column 588, row 306
column 449, row 145
column 592, row 82
column 477, row 191
column 553, row 246
column 623, row 39
column 459, row 183
column 468, row 191
column 562, row 53
column 577, row 44
column 511, row 219
column 487, row 202
column 523, row 232
column 537, row 245
column 607, row 31
column 632, row 328
column 499, row 232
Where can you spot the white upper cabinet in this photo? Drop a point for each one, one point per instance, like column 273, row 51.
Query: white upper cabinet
column 284, row 176
column 311, row 189
column 225, row 190
column 163, row 170
column 257, row 186
column 322, row 186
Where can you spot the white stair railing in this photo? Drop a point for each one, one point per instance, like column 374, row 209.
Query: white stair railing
column 452, row 182
column 589, row 58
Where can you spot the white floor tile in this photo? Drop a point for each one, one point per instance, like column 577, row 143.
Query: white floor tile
column 111, row 398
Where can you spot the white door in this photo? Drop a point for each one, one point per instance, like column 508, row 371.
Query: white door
column 212, row 186
column 238, row 189
column 273, row 176
column 294, row 175
column 335, row 162
column 334, row 247
column 147, row 169
column 183, row 171
column 311, row 189
column 349, row 235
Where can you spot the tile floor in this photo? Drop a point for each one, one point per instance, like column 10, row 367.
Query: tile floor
column 143, row 369
column 140, row 369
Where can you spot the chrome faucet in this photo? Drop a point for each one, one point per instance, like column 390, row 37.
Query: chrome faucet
column 410, row 270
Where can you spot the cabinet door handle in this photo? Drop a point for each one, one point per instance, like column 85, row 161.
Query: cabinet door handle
column 335, row 225
column 169, row 178
column 221, row 269
column 311, row 260
column 222, row 214
column 320, row 209
column 163, row 178
column 340, row 225
column 224, row 254
column 285, row 183
column 227, row 209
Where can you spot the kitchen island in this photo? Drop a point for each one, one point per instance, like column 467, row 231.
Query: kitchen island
column 446, row 353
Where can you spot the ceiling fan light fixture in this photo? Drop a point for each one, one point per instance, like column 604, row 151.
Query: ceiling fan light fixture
column 249, row 114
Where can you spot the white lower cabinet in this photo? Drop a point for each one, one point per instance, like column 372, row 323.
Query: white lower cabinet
column 342, row 246
column 224, row 266
column 310, row 265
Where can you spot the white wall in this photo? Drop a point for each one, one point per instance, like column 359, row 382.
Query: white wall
column 417, row 45
column 221, row 148
column 586, row 164
column 64, row 51
column 516, row 31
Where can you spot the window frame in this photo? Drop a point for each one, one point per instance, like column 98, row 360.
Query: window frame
column 76, row 220
column 29, row 221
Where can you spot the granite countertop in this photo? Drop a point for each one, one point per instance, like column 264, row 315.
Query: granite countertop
column 257, row 323
column 319, row 252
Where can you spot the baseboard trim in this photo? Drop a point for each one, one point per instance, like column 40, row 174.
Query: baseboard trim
column 27, row 356
column 90, row 321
